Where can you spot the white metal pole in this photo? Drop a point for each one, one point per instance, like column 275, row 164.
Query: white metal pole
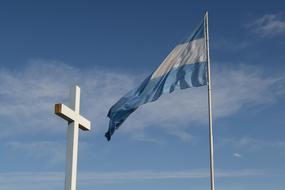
column 72, row 143
column 212, row 172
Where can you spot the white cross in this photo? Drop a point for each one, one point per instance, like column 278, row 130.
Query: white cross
column 75, row 121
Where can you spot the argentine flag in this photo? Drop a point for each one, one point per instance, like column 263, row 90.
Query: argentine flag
column 184, row 67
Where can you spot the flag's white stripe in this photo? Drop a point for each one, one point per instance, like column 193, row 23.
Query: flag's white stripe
column 187, row 53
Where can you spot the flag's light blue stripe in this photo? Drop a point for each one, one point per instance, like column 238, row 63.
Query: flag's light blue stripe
column 187, row 76
column 197, row 34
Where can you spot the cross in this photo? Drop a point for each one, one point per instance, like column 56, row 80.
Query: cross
column 75, row 121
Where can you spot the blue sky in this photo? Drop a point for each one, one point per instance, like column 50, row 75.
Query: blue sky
column 108, row 47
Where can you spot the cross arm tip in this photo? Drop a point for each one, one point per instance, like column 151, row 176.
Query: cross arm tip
column 57, row 108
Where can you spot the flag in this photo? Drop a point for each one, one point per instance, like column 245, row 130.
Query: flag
column 184, row 67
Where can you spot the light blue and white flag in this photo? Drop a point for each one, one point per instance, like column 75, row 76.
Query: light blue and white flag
column 184, row 67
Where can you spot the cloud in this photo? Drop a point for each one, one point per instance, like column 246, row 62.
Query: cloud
column 252, row 144
column 50, row 152
column 117, row 176
column 28, row 97
column 141, row 136
column 237, row 155
column 183, row 135
column 91, row 179
column 269, row 25
column 230, row 45
column 244, row 87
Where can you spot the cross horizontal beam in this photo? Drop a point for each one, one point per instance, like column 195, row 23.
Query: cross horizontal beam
column 71, row 116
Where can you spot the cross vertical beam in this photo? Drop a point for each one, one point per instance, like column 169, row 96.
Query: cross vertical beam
column 72, row 142
column 71, row 156
column 75, row 121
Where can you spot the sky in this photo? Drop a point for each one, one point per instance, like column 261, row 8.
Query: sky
column 108, row 48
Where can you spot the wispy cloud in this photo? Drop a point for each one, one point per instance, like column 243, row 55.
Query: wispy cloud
column 28, row 98
column 252, row 144
column 89, row 180
column 269, row 25
column 229, row 45
column 183, row 135
column 163, row 175
column 237, row 155
column 52, row 153
column 116, row 176
column 141, row 136
column 48, row 151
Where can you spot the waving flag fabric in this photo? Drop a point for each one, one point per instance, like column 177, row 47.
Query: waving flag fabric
column 184, row 67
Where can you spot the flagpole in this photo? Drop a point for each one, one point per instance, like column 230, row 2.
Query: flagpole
column 212, row 172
